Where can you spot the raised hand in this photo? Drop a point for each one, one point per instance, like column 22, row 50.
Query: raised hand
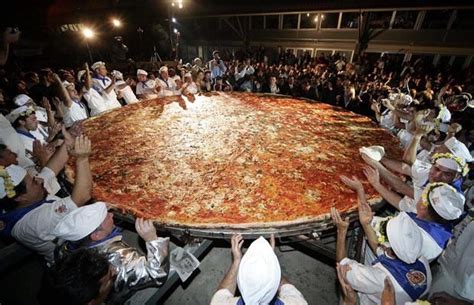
column 365, row 213
column 236, row 243
column 423, row 129
column 46, row 104
column 76, row 129
column 57, row 102
column 42, row 153
column 353, row 183
column 341, row 225
column 53, row 130
column 454, row 128
column 56, row 78
column 82, row 147
column 372, row 175
column 146, row 229
column 375, row 107
column 388, row 104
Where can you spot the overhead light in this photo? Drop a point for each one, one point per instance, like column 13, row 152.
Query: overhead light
column 88, row 33
column 307, row 15
column 117, row 23
column 180, row 5
column 316, row 19
column 172, row 3
column 173, row 20
column 175, row 31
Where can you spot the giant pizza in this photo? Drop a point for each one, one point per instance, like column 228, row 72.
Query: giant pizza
column 230, row 160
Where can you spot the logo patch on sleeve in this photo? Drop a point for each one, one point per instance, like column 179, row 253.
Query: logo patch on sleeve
column 61, row 209
column 416, row 278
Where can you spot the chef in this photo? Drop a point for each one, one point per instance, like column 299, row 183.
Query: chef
column 104, row 85
column 146, row 88
column 28, row 213
column 93, row 227
column 398, row 259
column 258, row 276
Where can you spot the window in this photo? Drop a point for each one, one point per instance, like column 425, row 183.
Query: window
column 350, row 20
column 271, row 22
column 329, row 20
column 343, row 54
column 257, row 22
column 464, row 20
column 379, row 20
column 304, row 52
column 309, row 21
column 405, row 20
column 323, row 53
column 436, row 20
column 290, row 21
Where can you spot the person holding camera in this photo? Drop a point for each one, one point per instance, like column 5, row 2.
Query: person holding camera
column 216, row 65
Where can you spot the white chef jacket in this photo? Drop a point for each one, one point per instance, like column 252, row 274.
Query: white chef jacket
column 288, row 294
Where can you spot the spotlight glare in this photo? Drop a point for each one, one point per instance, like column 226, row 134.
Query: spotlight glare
column 88, row 33
column 180, row 5
column 173, row 20
column 117, row 23
column 175, row 31
column 307, row 14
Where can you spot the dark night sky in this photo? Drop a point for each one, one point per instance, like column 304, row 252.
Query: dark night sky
column 37, row 18
column 34, row 13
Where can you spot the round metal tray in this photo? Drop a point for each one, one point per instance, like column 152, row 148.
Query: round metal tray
column 317, row 228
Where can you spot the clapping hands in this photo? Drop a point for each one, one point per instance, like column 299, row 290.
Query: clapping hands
column 82, row 147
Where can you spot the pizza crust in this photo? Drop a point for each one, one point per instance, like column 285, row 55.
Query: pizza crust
column 237, row 165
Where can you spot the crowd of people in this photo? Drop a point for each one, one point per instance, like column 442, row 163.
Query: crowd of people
column 423, row 251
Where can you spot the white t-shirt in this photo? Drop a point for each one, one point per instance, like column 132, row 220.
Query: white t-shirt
column 34, row 229
column 288, row 295
column 386, row 120
column 27, row 138
column 97, row 104
column 128, row 95
column 405, row 137
column 146, row 88
column 76, row 112
column 110, row 98
column 50, row 182
column 168, row 87
column 191, row 88
column 369, row 281
column 456, row 273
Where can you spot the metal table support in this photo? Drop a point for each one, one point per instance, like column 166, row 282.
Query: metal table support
column 325, row 247
column 152, row 296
